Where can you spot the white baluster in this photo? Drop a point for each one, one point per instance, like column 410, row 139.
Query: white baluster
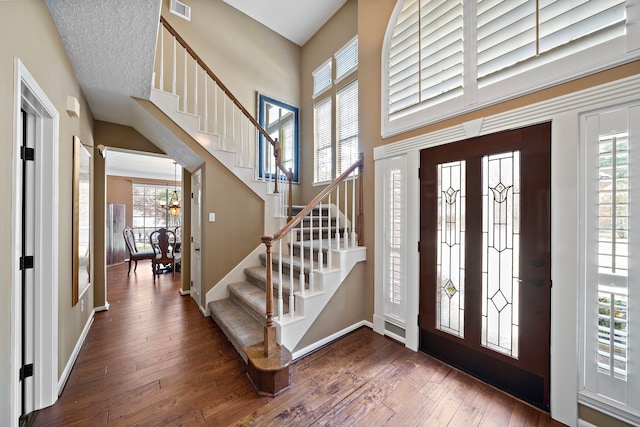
column 175, row 67
column 301, row 242
column 320, row 236
column 329, row 251
column 216, row 111
column 280, row 303
column 311, row 275
column 161, row 71
column 353, row 214
column 345, row 236
column 338, row 217
column 291, row 288
column 224, row 121
column 196, row 111
column 184, row 85
column 241, row 153
column 206, row 102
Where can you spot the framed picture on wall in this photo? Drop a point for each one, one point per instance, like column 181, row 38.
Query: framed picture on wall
column 81, row 219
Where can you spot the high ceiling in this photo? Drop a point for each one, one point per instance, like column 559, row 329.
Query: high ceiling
column 296, row 20
column 111, row 45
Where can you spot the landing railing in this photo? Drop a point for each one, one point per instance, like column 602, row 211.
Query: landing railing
column 330, row 222
column 180, row 71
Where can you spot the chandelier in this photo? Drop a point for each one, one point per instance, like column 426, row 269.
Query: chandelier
column 174, row 203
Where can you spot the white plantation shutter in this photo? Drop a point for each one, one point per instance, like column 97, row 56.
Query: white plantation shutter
column 506, row 33
column 322, row 126
column 443, row 58
column 404, row 59
column 347, row 59
column 394, row 268
column 347, row 126
column 611, row 306
column 441, row 53
column 322, row 78
column 586, row 21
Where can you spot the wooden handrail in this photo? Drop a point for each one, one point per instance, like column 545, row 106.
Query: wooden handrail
column 227, row 92
column 313, row 203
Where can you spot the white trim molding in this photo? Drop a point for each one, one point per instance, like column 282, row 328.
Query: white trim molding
column 316, row 345
column 30, row 97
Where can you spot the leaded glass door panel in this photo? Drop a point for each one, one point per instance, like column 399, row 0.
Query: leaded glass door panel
column 485, row 258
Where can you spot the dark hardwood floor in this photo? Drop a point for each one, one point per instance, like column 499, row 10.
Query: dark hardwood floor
column 153, row 359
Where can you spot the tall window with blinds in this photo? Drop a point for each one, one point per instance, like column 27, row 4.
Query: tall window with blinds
column 322, row 126
column 448, row 57
column 347, row 126
column 336, row 114
column 612, row 238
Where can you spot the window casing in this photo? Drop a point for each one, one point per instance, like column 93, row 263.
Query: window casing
column 442, row 59
column 336, row 145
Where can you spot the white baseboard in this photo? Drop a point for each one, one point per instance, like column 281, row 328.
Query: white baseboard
column 316, row 345
column 184, row 293
column 104, row 307
column 583, row 423
column 74, row 355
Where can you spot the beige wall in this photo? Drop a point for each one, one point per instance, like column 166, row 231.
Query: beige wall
column 28, row 33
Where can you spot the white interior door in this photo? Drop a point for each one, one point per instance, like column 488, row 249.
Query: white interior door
column 196, row 227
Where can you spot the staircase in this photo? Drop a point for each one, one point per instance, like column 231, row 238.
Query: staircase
column 310, row 255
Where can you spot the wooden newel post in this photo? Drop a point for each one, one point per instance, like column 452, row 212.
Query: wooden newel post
column 269, row 329
column 360, row 201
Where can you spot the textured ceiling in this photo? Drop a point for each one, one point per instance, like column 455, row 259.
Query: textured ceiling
column 111, row 45
column 296, row 20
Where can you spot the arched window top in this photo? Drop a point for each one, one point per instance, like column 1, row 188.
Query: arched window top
column 442, row 58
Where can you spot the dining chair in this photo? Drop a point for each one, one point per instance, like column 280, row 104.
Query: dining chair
column 134, row 254
column 162, row 241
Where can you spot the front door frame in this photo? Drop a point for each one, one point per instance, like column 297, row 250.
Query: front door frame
column 30, row 97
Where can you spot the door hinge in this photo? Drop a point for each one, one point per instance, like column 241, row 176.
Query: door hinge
column 192, row 195
column 26, row 262
column 191, row 239
column 26, row 371
column 418, row 246
column 27, row 153
column 551, row 283
column 419, row 173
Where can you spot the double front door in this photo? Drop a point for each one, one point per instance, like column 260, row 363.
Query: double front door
column 485, row 258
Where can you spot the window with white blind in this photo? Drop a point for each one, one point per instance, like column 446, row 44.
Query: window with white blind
column 610, row 306
column 347, row 126
column 322, row 78
column 322, row 126
column 443, row 58
column 347, row 59
column 336, row 114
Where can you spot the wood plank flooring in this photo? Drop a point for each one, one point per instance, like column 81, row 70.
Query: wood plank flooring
column 154, row 360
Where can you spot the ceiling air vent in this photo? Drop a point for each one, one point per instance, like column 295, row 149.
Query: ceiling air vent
column 182, row 10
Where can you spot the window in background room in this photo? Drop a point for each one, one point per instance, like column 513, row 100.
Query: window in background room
column 148, row 215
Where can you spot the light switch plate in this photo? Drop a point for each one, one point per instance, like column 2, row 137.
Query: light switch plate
column 212, row 216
